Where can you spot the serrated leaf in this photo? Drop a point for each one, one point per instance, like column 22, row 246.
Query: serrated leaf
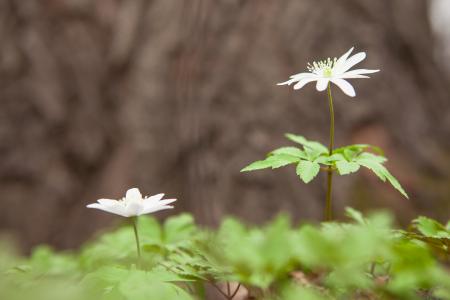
column 371, row 163
column 346, row 167
column 431, row 228
column 273, row 161
column 281, row 160
column 324, row 159
column 351, row 151
column 372, row 157
column 335, row 157
column 293, row 151
column 307, row 170
column 258, row 165
column 374, row 166
column 395, row 183
column 316, row 146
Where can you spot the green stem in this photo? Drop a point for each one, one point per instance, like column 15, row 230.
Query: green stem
column 136, row 235
column 328, row 205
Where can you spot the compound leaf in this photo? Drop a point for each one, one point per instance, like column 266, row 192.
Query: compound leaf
column 374, row 163
column 307, row 170
column 315, row 146
column 346, row 167
column 258, row 165
column 293, row 151
column 273, row 161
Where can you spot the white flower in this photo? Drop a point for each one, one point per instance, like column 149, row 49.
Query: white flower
column 133, row 204
column 332, row 70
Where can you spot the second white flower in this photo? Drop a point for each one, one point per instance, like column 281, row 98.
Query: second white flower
column 133, row 204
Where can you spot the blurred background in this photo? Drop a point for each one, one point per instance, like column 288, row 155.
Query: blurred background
column 177, row 96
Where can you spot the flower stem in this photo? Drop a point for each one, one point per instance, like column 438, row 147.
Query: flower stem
column 328, row 205
column 136, row 235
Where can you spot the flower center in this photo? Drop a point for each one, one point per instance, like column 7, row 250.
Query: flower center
column 327, row 72
column 323, row 67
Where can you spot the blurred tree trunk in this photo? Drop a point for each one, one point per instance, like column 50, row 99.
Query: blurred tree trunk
column 178, row 96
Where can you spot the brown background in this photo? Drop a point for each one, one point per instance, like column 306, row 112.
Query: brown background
column 177, row 96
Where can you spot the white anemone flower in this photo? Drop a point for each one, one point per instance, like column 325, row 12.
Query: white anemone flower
column 332, row 70
column 133, row 204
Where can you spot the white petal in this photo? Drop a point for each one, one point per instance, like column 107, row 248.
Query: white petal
column 340, row 62
column 361, row 71
column 353, row 60
column 303, row 82
column 302, row 75
column 298, row 77
column 349, row 76
column 357, row 73
column 155, row 208
column 134, row 208
column 152, row 206
column 166, row 201
column 154, row 198
column 289, row 82
column 322, row 84
column 107, row 202
column 133, row 194
column 116, row 209
column 345, row 86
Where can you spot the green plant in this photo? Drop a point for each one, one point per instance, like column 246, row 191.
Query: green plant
column 431, row 232
column 365, row 258
column 313, row 156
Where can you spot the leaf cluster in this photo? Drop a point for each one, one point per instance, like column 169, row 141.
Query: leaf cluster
column 313, row 157
column 432, row 233
column 364, row 258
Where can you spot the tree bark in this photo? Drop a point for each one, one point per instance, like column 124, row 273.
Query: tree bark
column 178, row 96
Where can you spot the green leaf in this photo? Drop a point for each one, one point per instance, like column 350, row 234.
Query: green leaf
column 323, row 159
column 335, row 157
column 431, row 228
column 179, row 228
column 307, row 170
column 395, row 183
column 373, row 162
column 292, row 151
column 258, row 165
column 316, row 146
column 345, row 167
column 154, row 249
column 138, row 285
column 374, row 166
column 281, row 160
column 273, row 161
column 355, row 215
column 352, row 151
column 372, row 157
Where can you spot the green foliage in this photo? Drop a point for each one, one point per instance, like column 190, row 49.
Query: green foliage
column 361, row 259
column 431, row 232
column 345, row 160
column 346, row 167
column 296, row 292
column 117, row 246
column 256, row 257
column 307, row 170
column 315, row 148
column 131, row 283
